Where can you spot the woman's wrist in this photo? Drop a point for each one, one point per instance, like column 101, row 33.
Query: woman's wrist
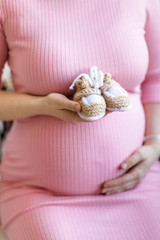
column 40, row 105
column 153, row 140
column 152, row 136
column 14, row 106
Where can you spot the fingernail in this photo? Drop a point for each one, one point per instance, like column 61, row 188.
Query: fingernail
column 124, row 165
column 103, row 190
column 108, row 193
column 105, row 185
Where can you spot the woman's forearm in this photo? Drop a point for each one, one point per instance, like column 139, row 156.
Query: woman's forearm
column 15, row 106
column 152, row 113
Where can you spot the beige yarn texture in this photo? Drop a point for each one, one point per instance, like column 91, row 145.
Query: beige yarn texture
column 84, row 90
column 118, row 102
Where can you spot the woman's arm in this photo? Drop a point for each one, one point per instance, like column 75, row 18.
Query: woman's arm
column 142, row 160
column 17, row 106
column 138, row 164
column 152, row 113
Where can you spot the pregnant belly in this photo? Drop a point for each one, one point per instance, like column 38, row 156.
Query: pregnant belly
column 72, row 159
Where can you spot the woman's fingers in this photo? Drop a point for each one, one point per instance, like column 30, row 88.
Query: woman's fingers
column 146, row 152
column 120, row 181
column 107, row 112
column 65, row 103
column 129, row 180
column 69, row 116
column 71, row 105
column 129, row 163
column 119, row 189
column 133, row 160
column 123, row 183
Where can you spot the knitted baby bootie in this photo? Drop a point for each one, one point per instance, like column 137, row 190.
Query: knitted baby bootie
column 93, row 106
column 117, row 99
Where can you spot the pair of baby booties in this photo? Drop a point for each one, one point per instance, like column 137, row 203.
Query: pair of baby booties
column 97, row 92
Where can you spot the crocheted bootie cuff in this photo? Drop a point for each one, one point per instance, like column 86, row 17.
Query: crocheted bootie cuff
column 86, row 92
column 108, row 82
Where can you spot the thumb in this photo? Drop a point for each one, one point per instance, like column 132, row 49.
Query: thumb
column 133, row 160
column 70, row 105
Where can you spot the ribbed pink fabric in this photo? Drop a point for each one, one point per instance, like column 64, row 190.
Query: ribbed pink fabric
column 52, row 170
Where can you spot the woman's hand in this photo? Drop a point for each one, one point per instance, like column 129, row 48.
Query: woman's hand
column 137, row 167
column 59, row 106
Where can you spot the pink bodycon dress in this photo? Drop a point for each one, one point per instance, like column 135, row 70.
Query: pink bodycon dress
column 52, row 170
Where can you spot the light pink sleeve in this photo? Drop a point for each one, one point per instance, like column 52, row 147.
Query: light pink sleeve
column 151, row 85
column 3, row 46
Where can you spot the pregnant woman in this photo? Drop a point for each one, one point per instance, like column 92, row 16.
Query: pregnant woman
column 62, row 177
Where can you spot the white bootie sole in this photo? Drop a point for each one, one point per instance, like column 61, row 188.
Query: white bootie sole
column 92, row 118
column 119, row 109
